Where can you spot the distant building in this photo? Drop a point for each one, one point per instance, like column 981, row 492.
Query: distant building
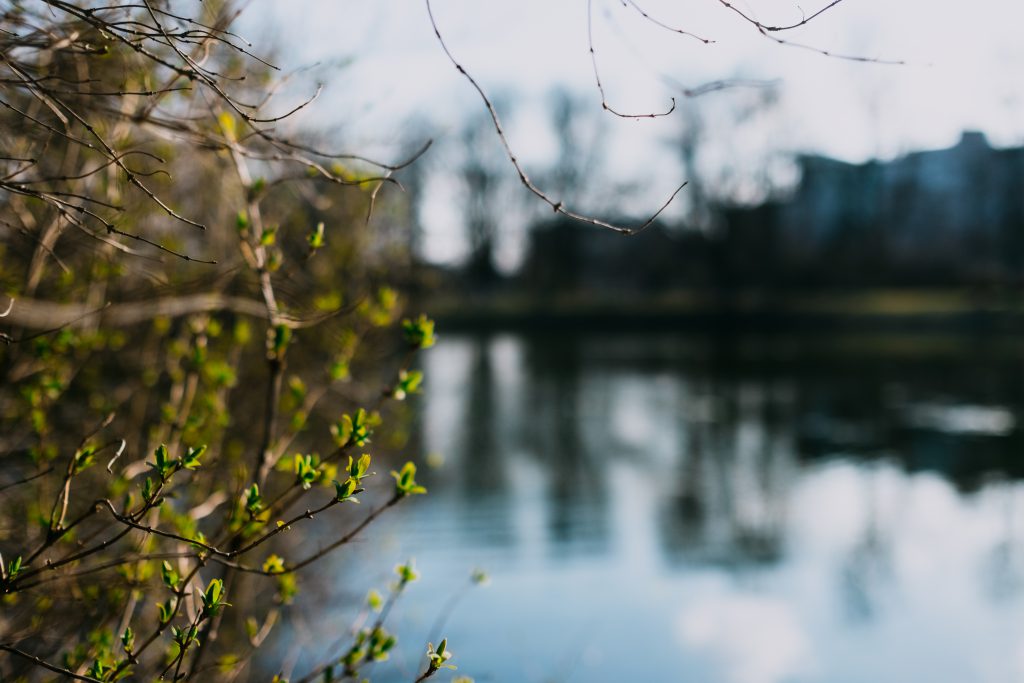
column 955, row 213
column 948, row 217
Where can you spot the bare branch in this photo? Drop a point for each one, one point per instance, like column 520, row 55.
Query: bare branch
column 556, row 205
column 766, row 30
column 597, row 75
column 47, row 665
column 665, row 26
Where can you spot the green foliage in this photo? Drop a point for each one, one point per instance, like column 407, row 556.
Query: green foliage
column 405, row 481
column 128, row 639
column 274, row 564
column 269, row 236
column 419, row 333
column 406, row 573
column 213, row 598
column 306, row 472
column 171, row 445
column 279, row 339
column 165, row 466
column 316, row 238
column 169, row 576
column 11, row 571
column 379, row 309
column 355, row 429
column 253, row 500
column 371, row 645
column 84, row 459
column 162, row 462
column 166, row 610
column 287, row 588
column 190, row 461
column 438, row 658
column 408, row 383
column 184, row 637
column 357, row 470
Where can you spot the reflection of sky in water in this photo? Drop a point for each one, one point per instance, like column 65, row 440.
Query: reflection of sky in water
column 659, row 519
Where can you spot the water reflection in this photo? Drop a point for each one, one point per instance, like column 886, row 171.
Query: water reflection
column 669, row 508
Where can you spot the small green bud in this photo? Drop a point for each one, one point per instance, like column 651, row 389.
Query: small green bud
column 405, row 481
column 406, row 572
column 316, row 238
column 169, row 576
column 274, row 564
column 190, row 461
column 374, row 600
column 419, row 333
column 253, row 500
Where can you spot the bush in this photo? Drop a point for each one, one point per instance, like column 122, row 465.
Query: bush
column 198, row 321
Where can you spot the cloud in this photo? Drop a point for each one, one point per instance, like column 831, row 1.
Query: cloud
column 754, row 639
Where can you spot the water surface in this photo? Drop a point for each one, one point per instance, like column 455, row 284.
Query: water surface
column 670, row 508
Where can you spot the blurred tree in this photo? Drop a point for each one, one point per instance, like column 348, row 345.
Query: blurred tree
column 484, row 197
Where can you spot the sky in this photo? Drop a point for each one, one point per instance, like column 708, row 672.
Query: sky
column 382, row 65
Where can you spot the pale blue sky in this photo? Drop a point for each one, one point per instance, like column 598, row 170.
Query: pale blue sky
column 964, row 71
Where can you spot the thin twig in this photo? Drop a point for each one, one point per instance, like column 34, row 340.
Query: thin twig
column 556, row 205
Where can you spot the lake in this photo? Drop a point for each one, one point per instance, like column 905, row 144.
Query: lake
column 730, row 509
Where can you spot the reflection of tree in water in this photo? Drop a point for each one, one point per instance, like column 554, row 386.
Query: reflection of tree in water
column 740, row 430
column 864, row 406
column 868, row 566
column 577, row 490
column 729, row 504
column 483, row 475
column 761, row 531
column 689, row 507
column 1004, row 568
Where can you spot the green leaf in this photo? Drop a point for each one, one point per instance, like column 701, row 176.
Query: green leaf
column 162, row 462
column 242, row 222
column 405, row 481
column 360, row 467
column 269, row 235
column 297, row 388
column 282, row 335
column 406, row 572
column 360, row 428
column 316, row 238
column 84, row 459
column 306, row 471
column 213, row 598
column 274, row 564
column 408, row 383
column 147, row 489
column 128, row 639
column 166, row 611
column 169, row 576
column 438, row 658
column 419, row 333
column 190, row 461
column 13, row 569
column 374, row 600
column 342, row 431
column 253, row 500
column 345, row 491
column 339, row 369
